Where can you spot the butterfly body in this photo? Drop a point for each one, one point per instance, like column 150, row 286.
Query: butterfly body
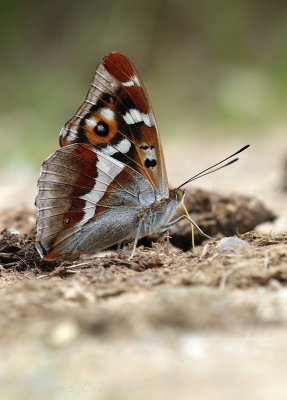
column 107, row 183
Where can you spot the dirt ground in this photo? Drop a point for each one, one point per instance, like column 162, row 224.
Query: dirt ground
column 181, row 324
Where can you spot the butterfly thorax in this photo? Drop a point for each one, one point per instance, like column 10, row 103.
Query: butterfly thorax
column 159, row 214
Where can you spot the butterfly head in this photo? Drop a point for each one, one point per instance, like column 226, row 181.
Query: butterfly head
column 179, row 195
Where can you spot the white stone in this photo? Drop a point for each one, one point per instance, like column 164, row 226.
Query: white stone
column 230, row 243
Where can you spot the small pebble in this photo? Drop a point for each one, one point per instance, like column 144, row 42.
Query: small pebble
column 229, row 243
column 12, row 233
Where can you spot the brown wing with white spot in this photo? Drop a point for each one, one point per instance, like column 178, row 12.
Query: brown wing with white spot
column 116, row 117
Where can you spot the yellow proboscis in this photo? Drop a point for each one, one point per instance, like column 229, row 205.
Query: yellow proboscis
column 192, row 228
column 180, row 198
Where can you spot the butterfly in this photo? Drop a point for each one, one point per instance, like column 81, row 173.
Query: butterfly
column 107, row 183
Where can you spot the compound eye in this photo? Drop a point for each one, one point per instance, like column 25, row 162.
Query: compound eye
column 179, row 195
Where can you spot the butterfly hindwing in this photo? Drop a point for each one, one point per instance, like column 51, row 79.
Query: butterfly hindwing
column 79, row 187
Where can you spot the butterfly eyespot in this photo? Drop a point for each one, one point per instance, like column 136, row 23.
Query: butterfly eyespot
column 67, row 220
column 101, row 129
column 150, row 163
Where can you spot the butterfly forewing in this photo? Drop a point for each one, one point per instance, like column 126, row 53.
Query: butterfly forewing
column 117, row 117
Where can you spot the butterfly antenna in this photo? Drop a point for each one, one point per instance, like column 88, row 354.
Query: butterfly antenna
column 214, row 170
column 205, row 171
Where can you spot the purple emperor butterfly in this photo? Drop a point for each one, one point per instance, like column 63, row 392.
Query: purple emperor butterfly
column 107, row 183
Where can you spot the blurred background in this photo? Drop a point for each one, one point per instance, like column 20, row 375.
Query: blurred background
column 210, row 68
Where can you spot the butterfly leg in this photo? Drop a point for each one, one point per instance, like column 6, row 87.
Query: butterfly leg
column 191, row 221
column 121, row 246
column 167, row 241
column 136, row 240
